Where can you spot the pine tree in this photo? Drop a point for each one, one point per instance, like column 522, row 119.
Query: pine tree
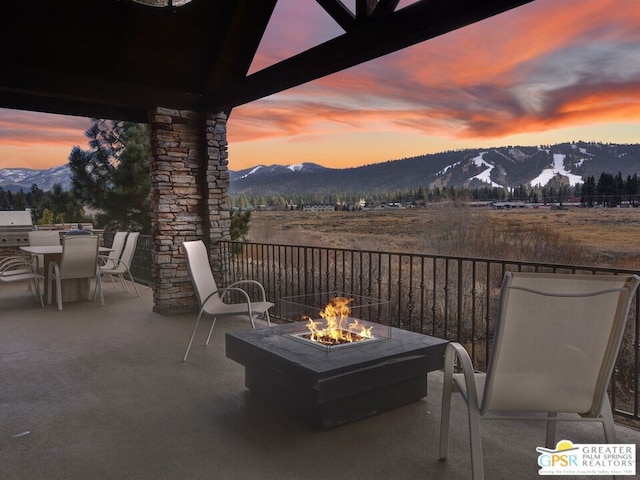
column 113, row 175
column 129, row 199
column 239, row 224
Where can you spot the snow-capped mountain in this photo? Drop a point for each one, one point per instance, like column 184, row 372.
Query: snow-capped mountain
column 562, row 164
column 276, row 170
column 14, row 179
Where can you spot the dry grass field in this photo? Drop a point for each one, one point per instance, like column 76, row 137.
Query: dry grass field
column 603, row 237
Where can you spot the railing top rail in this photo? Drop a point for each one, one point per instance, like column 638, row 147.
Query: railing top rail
column 503, row 261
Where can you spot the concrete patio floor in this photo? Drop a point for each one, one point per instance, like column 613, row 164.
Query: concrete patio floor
column 95, row 392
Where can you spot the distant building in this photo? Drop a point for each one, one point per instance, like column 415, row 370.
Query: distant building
column 318, row 208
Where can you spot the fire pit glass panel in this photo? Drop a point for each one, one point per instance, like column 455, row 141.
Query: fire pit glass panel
column 336, row 320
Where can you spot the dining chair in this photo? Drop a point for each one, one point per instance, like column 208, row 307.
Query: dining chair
column 211, row 299
column 79, row 261
column 43, row 238
column 117, row 245
column 122, row 265
column 20, row 269
column 15, row 264
column 39, row 238
column 556, row 342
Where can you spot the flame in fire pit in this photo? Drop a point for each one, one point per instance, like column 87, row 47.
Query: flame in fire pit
column 339, row 327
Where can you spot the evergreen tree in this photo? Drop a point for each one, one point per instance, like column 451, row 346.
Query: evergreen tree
column 605, row 189
column 92, row 170
column 587, row 199
column 113, row 175
column 130, row 198
column 66, row 208
column 239, row 224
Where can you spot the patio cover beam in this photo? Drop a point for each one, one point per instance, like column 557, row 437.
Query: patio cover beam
column 378, row 35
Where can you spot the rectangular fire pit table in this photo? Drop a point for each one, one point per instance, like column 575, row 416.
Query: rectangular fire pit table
column 330, row 388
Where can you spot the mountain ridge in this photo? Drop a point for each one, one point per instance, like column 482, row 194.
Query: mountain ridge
column 14, row 179
column 500, row 167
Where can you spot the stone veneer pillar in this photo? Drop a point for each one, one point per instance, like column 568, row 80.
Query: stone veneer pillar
column 189, row 198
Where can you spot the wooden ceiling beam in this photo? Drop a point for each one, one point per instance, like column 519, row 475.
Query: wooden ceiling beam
column 385, row 7
column 49, row 104
column 62, row 89
column 235, row 53
column 340, row 13
column 364, row 9
column 372, row 39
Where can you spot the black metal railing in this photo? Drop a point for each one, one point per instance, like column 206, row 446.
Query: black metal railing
column 449, row 297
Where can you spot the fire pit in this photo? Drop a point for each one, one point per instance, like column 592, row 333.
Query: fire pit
column 340, row 323
column 329, row 385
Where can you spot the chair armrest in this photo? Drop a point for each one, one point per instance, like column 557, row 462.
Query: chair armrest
column 253, row 282
column 115, row 261
column 16, row 265
column 8, row 261
column 103, row 260
column 222, row 293
column 456, row 353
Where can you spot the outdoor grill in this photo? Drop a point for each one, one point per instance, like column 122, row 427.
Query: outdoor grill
column 14, row 228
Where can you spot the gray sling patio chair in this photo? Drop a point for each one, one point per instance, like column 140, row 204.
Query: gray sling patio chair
column 111, row 260
column 79, row 261
column 556, row 342
column 20, row 269
column 120, row 266
column 42, row 238
column 211, row 298
column 15, row 264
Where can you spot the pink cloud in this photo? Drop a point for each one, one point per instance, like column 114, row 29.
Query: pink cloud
column 514, row 73
column 22, row 128
column 547, row 65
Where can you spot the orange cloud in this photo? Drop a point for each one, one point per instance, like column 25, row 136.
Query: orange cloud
column 545, row 67
column 21, row 128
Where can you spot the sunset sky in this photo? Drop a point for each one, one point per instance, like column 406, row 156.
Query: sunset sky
column 547, row 72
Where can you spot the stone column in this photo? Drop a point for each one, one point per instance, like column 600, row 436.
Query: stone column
column 189, row 198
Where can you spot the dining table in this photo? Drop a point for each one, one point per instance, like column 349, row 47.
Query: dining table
column 73, row 289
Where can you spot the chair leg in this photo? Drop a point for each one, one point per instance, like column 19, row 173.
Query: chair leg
column 445, row 416
column 49, row 285
column 193, row 334
column 99, row 287
column 268, row 318
column 477, row 467
column 213, row 324
column 124, row 285
column 59, row 292
column 55, row 272
column 133, row 283
column 38, row 291
column 607, row 421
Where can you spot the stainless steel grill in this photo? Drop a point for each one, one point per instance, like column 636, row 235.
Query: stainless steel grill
column 14, row 228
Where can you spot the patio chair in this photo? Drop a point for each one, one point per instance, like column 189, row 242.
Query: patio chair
column 42, row 238
column 20, row 269
column 121, row 265
column 79, row 261
column 39, row 238
column 9, row 265
column 211, row 298
column 556, row 342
